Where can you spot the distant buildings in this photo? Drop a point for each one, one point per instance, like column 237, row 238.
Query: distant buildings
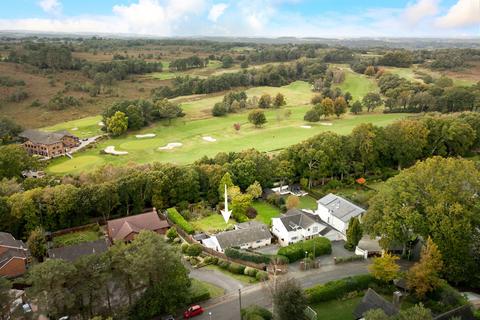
column 48, row 144
column 125, row 229
column 13, row 256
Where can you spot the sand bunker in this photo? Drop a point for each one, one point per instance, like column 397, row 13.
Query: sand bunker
column 147, row 135
column 74, row 129
column 209, row 139
column 101, row 124
column 326, row 123
column 171, row 145
column 306, row 127
column 111, row 150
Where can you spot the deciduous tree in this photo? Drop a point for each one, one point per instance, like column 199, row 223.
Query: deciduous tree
column 117, row 124
column 385, row 268
column 257, row 118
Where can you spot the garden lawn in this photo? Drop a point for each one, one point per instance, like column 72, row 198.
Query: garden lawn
column 265, row 212
column 212, row 223
column 278, row 133
column 308, row 202
column 76, row 238
column 240, row 277
column 82, row 128
column 336, row 309
column 199, row 286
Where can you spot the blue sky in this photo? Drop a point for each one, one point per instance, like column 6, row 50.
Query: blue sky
column 270, row 18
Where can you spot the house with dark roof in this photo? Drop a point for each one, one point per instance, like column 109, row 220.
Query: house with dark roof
column 297, row 225
column 462, row 313
column 125, row 229
column 48, row 144
column 371, row 301
column 73, row 252
column 252, row 237
column 13, row 256
column 337, row 211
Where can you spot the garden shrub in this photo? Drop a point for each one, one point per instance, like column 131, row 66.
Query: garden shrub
column 184, row 247
column 198, row 292
column 210, row 260
column 251, row 212
column 172, row 233
column 246, row 255
column 180, row 221
column 194, row 250
column 261, row 275
column 297, row 250
column 223, row 264
column 236, row 268
column 252, row 272
column 339, row 288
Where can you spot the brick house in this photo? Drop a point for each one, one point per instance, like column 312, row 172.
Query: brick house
column 13, row 256
column 127, row 228
column 49, row 144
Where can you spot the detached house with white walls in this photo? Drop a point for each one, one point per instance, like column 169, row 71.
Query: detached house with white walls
column 296, row 225
column 337, row 212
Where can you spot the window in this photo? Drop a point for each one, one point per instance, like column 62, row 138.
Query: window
column 315, row 229
column 294, row 238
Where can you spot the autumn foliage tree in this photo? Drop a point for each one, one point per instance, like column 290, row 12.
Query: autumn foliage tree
column 385, row 268
column 292, row 202
column 424, row 276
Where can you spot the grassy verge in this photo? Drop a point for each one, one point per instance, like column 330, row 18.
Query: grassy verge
column 240, row 277
column 212, row 223
column 265, row 212
column 198, row 287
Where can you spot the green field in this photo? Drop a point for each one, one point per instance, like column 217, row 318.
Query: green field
column 211, row 224
column 265, row 212
column 83, row 128
column 278, row 133
column 357, row 84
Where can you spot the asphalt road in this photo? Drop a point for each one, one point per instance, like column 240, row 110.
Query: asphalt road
column 227, row 307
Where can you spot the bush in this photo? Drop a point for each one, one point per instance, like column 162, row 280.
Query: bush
column 198, row 292
column 252, row 272
column 236, row 268
column 261, row 275
column 251, row 212
column 348, row 259
column 172, row 233
column 297, row 250
column 223, row 264
column 256, row 313
column 210, row 260
column 338, row 288
column 246, row 255
column 180, row 221
column 194, row 250
column 184, row 247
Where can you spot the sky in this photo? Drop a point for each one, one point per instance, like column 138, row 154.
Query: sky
column 248, row 18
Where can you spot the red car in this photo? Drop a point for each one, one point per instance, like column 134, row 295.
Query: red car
column 193, row 311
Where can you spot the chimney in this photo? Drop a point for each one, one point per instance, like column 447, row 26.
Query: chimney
column 397, row 299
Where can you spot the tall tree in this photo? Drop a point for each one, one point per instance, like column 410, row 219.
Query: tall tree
column 354, row 233
column 13, row 160
column 37, row 244
column 385, row 268
column 117, row 124
column 340, row 106
column 372, row 100
column 289, row 300
column 257, row 118
column 279, row 100
column 5, row 298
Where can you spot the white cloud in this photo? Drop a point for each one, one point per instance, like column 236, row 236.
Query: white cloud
column 50, row 6
column 462, row 14
column 419, row 10
column 217, row 11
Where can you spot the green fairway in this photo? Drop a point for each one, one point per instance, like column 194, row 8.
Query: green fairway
column 357, row 84
column 212, row 224
column 83, row 128
column 278, row 133
column 265, row 212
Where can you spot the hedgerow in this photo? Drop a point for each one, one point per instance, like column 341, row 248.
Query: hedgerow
column 297, row 250
column 180, row 221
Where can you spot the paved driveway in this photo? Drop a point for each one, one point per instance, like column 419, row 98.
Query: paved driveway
column 217, row 278
column 270, row 249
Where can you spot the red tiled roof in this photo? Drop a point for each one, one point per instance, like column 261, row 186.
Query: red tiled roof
column 119, row 229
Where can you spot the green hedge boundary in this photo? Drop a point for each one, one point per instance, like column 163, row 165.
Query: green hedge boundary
column 339, row 288
column 297, row 250
column 180, row 221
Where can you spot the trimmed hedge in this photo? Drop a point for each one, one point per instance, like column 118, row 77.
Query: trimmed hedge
column 251, row 272
column 348, row 259
column 236, row 268
column 261, row 275
column 339, row 288
column 180, row 221
column 297, row 250
column 246, row 256
column 223, row 264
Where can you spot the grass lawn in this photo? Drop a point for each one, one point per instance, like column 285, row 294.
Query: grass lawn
column 240, row 277
column 83, row 128
column 210, row 224
column 76, row 237
column 336, row 309
column 357, row 84
column 265, row 212
column 199, row 286
column 277, row 134
column 308, row 202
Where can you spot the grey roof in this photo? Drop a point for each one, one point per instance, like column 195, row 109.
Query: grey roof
column 236, row 238
column 42, row 137
column 462, row 313
column 369, row 244
column 7, row 240
column 372, row 300
column 72, row 253
column 295, row 218
column 340, row 208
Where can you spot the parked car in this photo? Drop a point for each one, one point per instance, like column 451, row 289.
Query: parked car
column 193, row 311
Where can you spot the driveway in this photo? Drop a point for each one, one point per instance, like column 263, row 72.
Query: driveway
column 270, row 249
column 217, row 278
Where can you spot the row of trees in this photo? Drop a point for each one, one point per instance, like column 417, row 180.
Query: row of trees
column 269, row 75
column 191, row 62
